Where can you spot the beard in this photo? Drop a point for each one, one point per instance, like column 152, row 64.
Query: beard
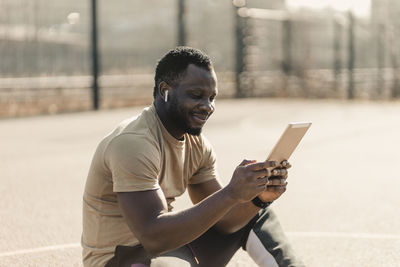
column 177, row 114
column 194, row 131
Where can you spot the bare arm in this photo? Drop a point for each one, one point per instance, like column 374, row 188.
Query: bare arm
column 241, row 213
column 237, row 217
column 160, row 231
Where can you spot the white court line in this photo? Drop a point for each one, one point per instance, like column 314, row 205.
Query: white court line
column 40, row 249
column 292, row 234
column 343, row 235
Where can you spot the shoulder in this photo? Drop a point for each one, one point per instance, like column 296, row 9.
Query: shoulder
column 201, row 147
column 199, row 141
column 205, row 145
column 134, row 133
column 132, row 150
column 133, row 159
column 133, row 143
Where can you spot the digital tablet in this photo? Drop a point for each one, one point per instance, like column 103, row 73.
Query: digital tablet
column 288, row 141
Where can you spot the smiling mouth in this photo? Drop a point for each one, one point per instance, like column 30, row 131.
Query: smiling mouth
column 200, row 118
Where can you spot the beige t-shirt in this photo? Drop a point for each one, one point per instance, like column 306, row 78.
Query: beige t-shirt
column 138, row 155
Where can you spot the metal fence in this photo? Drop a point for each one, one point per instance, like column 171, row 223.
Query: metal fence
column 46, row 62
column 259, row 48
column 310, row 54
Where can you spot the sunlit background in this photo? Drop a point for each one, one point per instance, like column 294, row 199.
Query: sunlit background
column 335, row 63
column 276, row 48
column 360, row 7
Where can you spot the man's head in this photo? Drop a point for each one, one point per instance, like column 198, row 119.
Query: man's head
column 172, row 66
column 188, row 76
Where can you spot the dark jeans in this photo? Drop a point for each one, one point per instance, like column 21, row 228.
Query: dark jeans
column 216, row 249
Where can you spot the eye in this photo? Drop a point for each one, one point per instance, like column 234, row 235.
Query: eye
column 196, row 95
column 212, row 98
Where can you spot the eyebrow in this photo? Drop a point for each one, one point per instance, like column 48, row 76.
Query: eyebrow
column 202, row 90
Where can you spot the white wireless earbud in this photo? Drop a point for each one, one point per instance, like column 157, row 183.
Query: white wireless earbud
column 166, row 96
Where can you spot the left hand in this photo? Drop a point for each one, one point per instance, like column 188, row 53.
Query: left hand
column 276, row 185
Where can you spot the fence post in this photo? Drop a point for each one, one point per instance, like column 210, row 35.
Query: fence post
column 351, row 56
column 181, row 23
column 380, row 53
column 95, row 56
column 395, row 92
column 239, row 51
column 286, row 47
column 337, row 63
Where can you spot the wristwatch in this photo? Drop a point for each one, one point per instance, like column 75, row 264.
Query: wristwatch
column 259, row 203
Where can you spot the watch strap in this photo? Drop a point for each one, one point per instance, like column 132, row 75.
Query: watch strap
column 259, row 203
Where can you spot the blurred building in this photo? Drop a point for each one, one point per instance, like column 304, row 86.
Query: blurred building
column 269, row 4
column 385, row 23
column 45, row 50
column 385, row 12
column 386, row 26
column 39, row 37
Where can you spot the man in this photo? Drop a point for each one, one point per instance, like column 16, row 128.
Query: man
column 147, row 161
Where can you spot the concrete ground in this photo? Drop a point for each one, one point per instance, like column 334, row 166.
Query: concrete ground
column 342, row 207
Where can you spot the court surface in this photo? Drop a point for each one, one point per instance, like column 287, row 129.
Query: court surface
column 342, row 207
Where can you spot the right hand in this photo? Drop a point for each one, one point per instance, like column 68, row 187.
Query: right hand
column 249, row 179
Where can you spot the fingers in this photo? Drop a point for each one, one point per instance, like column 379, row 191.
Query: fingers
column 260, row 169
column 250, row 178
column 275, row 181
column 276, row 189
column 271, row 182
column 267, row 164
column 263, row 165
column 262, row 173
column 246, row 162
column 279, row 172
column 262, row 181
column 282, row 171
column 257, row 170
column 285, row 164
column 277, row 185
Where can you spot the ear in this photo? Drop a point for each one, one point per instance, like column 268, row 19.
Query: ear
column 162, row 87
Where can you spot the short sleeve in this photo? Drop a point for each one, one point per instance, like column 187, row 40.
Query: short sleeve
column 134, row 162
column 208, row 167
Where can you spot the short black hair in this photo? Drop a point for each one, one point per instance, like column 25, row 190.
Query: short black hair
column 173, row 65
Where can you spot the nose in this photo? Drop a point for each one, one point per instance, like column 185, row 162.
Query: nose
column 208, row 106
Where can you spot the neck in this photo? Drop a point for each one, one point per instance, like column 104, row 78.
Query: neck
column 166, row 120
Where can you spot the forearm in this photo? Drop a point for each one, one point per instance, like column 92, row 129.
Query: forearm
column 237, row 217
column 174, row 229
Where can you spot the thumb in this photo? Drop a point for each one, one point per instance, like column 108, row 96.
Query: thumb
column 246, row 162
